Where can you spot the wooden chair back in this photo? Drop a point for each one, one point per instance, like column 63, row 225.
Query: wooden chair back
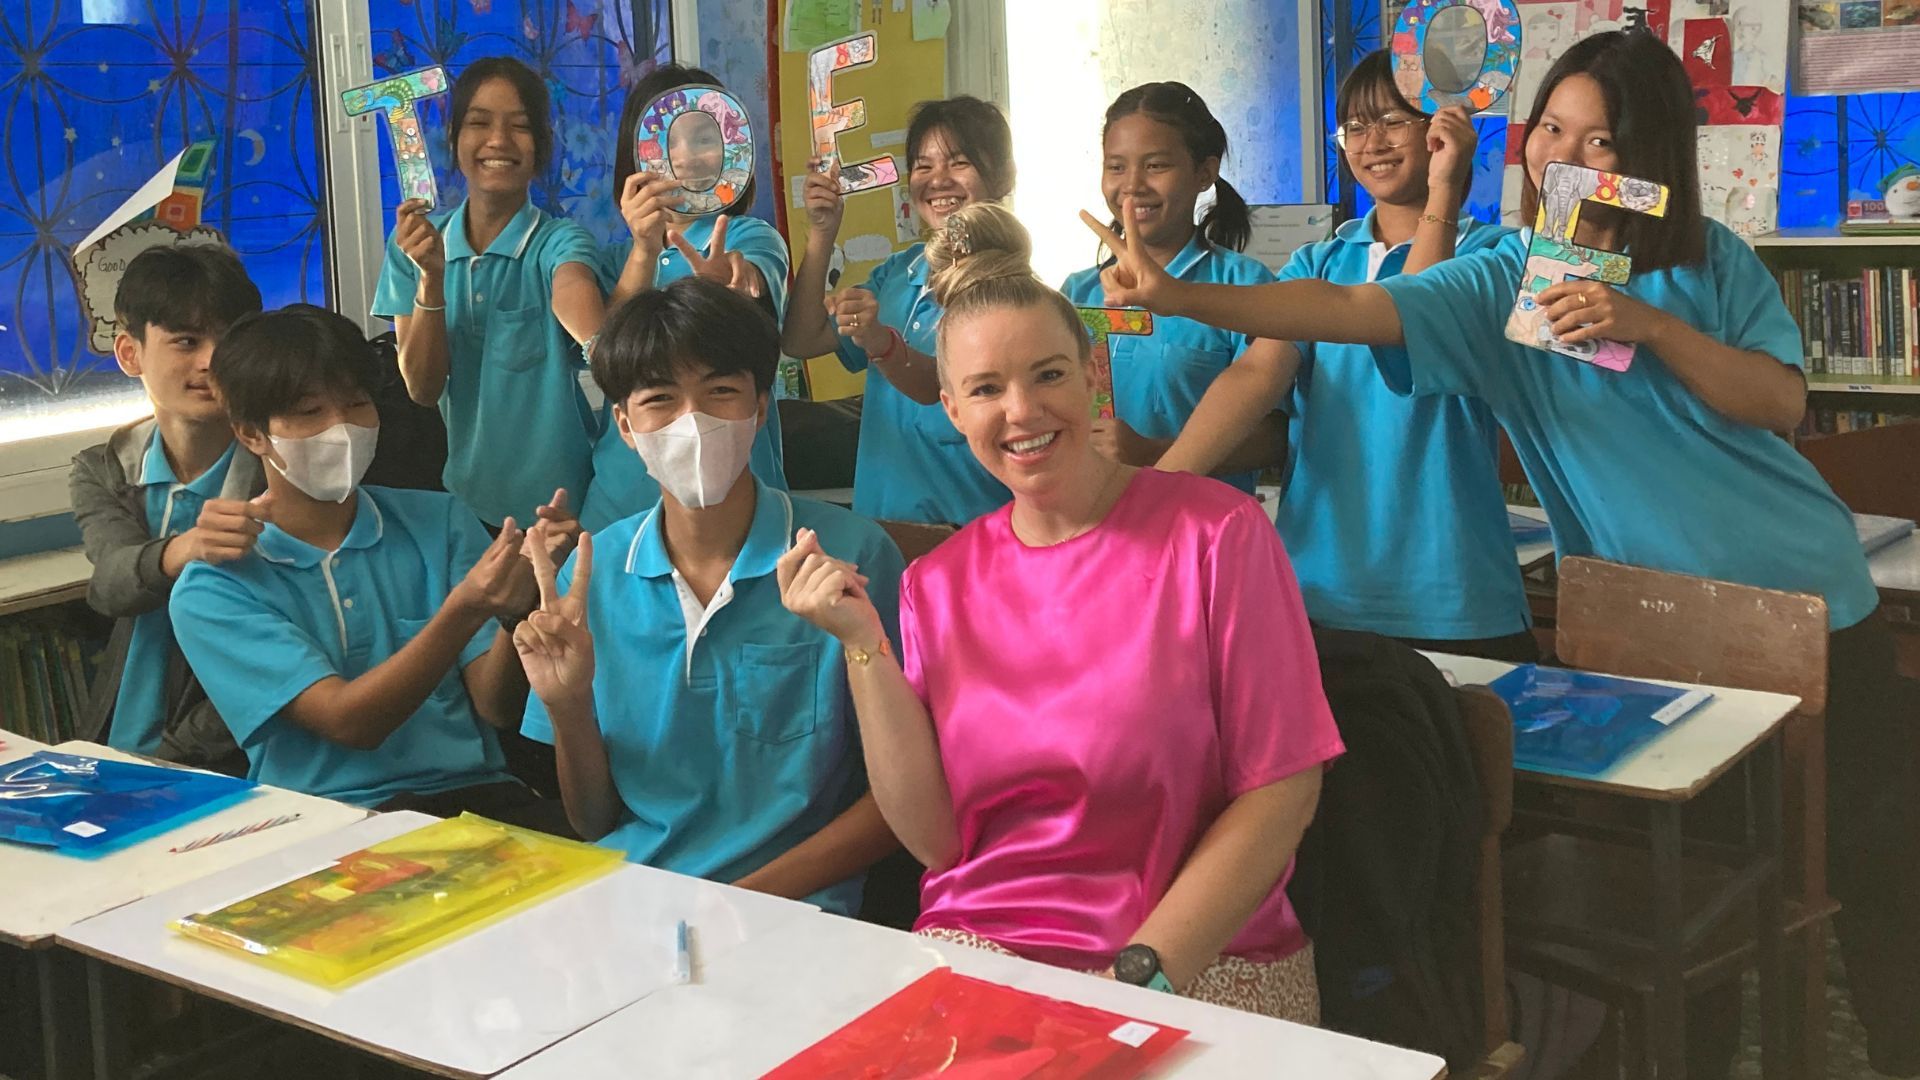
column 1489, row 731
column 1627, row 620
column 1872, row 469
column 915, row 539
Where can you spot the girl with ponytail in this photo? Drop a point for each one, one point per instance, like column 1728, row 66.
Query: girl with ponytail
column 1117, row 644
column 1163, row 150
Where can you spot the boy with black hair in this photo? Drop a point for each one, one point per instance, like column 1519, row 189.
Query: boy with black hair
column 714, row 736
column 356, row 655
column 161, row 493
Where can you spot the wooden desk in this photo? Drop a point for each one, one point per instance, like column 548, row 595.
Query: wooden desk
column 1663, row 937
column 1896, row 568
column 766, row 1002
column 52, row 577
column 467, row 1008
column 49, row 892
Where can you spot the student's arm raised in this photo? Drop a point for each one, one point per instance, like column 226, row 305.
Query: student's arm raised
column 361, row 713
column 225, row 531
column 1451, row 140
column 896, row 734
column 556, row 650
column 421, row 334
column 643, row 206
column 1235, row 428
column 809, row 325
column 1302, row 310
column 577, row 301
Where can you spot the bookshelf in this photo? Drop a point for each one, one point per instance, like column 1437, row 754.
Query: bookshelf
column 1853, row 296
column 49, row 644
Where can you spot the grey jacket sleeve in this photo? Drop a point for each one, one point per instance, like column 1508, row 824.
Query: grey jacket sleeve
column 127, row 576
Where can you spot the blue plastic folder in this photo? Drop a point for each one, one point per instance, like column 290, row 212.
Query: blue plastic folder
column 1581, row 724
column 88, row 807
column 1528, row 530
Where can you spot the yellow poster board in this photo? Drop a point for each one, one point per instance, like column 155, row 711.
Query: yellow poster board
column 906, row 71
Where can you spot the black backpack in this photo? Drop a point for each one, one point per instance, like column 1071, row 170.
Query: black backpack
column 412, row 449
column 1384, row 881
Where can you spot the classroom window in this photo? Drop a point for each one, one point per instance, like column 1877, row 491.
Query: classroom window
column 96, row 96
column 588, row 53
column 1834, row 149
column 1068, row 59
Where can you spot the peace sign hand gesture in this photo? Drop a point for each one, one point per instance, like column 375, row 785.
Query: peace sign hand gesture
column 729, row 268
column 554, row 644
column 1134, row 279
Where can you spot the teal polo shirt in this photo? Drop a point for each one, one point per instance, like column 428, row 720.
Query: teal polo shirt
column 912, row 464
column 621, row 484
column 140, row 707
column 1159, row 378
column 730, row 734
column 1393, row 512
column 1630, row 465
column 518, row 425
column 260, row 630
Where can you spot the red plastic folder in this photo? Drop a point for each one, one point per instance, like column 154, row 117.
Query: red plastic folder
column 957, row 1028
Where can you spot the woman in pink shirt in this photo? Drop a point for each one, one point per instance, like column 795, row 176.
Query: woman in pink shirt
column 1105, row 732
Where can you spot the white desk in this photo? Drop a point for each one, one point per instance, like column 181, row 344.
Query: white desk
column 467, row 1008
column 750, row 1011
column 60, row 890
column 1896, row 567
column 1681, row 761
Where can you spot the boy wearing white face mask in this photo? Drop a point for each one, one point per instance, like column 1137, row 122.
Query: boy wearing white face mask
column 700, row 726
column 355, row 654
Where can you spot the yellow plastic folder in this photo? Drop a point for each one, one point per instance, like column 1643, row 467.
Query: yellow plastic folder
column 385, row 903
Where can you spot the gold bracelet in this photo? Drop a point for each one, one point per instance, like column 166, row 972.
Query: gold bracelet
column 863, row 657
column 1435, row 218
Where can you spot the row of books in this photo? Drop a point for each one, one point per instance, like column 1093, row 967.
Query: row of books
column 1856, row 323
column 46, row 664
column 1839, row 421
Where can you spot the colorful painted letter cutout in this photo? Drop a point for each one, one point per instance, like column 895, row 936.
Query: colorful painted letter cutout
column 165, row 210
column 1553, row 257
column 1103, row 322
column 395, row 97
column 830, row 119
column 700, row 136
column 1502, row 22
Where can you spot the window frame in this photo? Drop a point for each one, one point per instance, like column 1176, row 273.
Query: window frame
column 33, row 471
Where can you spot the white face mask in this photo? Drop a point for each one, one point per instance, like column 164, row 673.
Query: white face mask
column 697, row 458
column 327, row 466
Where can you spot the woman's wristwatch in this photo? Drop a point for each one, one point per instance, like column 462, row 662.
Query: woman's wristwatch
column 1139, row 965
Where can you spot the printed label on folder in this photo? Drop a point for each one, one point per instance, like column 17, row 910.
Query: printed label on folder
column 1134, row 1033
column 1681, row 706
column 86, row 830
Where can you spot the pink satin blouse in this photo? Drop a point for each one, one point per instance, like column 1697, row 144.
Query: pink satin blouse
column 1100, row 702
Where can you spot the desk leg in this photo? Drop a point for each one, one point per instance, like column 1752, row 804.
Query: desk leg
column 1667, row 1027
column 107, row 1013
column 1770, row 916
column 63, row 1043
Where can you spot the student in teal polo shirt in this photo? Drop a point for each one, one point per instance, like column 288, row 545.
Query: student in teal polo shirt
column 911, row 465
column 355, row 654
column 1393, row 513
column 1675, row 463
column 700, row 726
column 161, row 493
column 489, row 303
column 660, row 248
column 1161, row 150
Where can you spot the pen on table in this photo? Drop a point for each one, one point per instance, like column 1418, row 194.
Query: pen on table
column 244, row 830
column 683, row 957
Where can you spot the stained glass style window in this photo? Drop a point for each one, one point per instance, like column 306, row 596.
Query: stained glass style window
column 1834, row 149
column 96, row 96
column 589, row 51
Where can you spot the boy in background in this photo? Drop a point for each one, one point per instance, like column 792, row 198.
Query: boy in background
column 161, row 493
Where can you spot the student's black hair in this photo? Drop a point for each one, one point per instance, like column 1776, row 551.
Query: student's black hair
column 1650, row 111
column 651, row 85
column 1369, row 92
column 1178, row 106
column 975, row 130
column 533, row 97
column 199, row 288
column 268, row 361
column 651, row 339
